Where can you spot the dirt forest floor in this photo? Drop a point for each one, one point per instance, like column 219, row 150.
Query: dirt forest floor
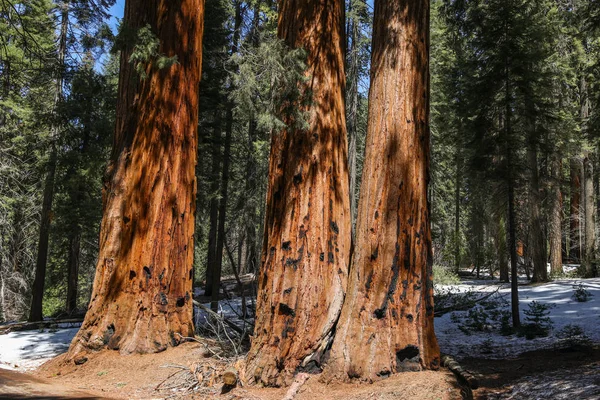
column 174, row 373
column 168, row 375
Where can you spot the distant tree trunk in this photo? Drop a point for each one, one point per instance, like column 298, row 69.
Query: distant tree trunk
column 457, row 197
column 536, row 227
column 575, row 218
column 73, row 268
column 590, row 218
column 386, row 324
column 352, row 108
column 218, row 266
column 35, row 313
column 214, row 208
column 501, row 248
column 555, row 217
column 306, row 246
column 510, row 184
column 142, row 296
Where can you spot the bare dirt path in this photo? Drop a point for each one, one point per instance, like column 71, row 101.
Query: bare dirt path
column 16, row 386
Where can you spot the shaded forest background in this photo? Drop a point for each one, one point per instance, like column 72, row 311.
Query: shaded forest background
column 514, row 119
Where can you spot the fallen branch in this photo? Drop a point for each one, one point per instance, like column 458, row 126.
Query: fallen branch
column 300, row 380
column 464, row 305
column 460, row 372
column 27, row 326
column 219, row 317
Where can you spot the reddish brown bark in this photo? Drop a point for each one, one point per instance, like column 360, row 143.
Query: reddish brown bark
column 141, row 301
column 386, row 324
column 307, row 225
column 556, row 217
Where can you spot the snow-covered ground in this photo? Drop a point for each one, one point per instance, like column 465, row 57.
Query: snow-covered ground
column 27, row 350
column 565, row 311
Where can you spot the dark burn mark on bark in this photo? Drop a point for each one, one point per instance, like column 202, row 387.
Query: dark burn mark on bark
column 288, row 290
column 286, row 310
column 132, row 274
column 162, row 275
column 369, row 281
column 298, row 178
column 380, row 312
column 108, row 333
column 161, row 299
column 272, row 250
column 407, row 353
column 330, row 257
column 126, row 219
column 410, row 318
column 180, row 302
column 191, row 273
column 375, row 254
column 376, row 214
column 322, row 256
column 334, row 227
column 147, row 272
column 292, row 262
column 302, row 232
column 384, row 373
column 286, row 246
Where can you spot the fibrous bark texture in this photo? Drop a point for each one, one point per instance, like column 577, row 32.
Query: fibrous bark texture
column 306, row 249
column 589, row 256
column 556, row 217
column 386, row 324
column 575, row 245
column 142, row 299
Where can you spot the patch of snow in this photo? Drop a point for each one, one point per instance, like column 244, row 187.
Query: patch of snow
column 27, row 350
column 565, row 311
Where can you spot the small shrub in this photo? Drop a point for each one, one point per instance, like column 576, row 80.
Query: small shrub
column 573, row 335
column 538, row 324
column 477, row 320
column 580, row 293
column 444, row 276
column 506, row 328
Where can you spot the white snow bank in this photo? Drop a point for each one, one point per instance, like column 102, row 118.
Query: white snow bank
column 27, row 350
column 565, row 311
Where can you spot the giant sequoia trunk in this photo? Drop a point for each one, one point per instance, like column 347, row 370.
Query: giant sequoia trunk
column 142, row 299
column 306, row 244
column 386, row 324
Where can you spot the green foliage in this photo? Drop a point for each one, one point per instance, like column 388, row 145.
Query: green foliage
column 269, row 85
column 444, row 276
column 145, row 53
column 580, row 293
column 538, row 324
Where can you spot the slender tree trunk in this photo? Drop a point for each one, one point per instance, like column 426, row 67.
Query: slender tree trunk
column 536, row 227
column 306, row 246
column 35, row 313
column 575, row 246
column 352, row 107
column 589, row 258
column 512, row 227
column 501, row 248
column 555, row 217
column 142, row 296
column 457, row 197
column 218, row 266
column 214, row 208
column 386, row 324
column 73, row 268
